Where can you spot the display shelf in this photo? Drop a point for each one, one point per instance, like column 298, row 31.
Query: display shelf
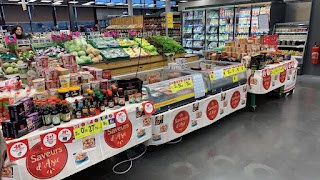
column 290, row 46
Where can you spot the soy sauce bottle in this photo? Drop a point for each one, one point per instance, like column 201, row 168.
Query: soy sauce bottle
column 77, row 110
column 85, row 108
column 92, row 107
column 46, row 115
column 55, row 115
column 121, row 99
column 65, row 112
column 102, row 107
column 105, row 97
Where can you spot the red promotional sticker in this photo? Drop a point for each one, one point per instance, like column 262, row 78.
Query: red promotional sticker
column 65, row 135
column 119, row 136
column 266, row 79
column 49, row 140
column 212, row 109
column 181, row 121
column 283, row 76
column 121, row 117
column 18, row 149
column 46, row 163
column 235, row 99
column 148, row 108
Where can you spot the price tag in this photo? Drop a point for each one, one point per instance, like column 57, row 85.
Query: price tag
column 212, row 76
column 80, row 132
column 177, row 86
column 235, row 78
column 188, row 83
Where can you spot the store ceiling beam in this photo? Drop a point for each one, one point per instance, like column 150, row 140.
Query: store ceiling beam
column 130, row 7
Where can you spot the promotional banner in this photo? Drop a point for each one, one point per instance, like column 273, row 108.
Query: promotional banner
column 213, row 109
column 271, row 77
column 57, row 153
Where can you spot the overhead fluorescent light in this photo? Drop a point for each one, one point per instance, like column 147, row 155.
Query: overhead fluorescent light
column 162, row 0
column 99, row 3
column 13, row 0
column 32, row 1
column 164, row 5
column 183, row 1
column 136, row 5
column 120, row 4
column 46, row 1
column 88, row 3
column 73, row 2
column 110, row 4
column 57, row 3
column 24, row 3
column 152, row 5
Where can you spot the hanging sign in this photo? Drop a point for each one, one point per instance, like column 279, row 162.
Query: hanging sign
column 170, row 20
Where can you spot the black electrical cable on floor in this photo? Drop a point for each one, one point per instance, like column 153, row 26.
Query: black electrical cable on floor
column 175, row 142
column 128, row 160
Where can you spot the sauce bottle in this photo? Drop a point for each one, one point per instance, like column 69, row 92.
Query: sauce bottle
column 115, row 95
column 65, row 112
column 92, row 107
column 105, row 97
column 110, row 99
column 102, row 107
column 46, row 115
column 121, row 99
column 85, row 108
column 77, row 110
column 55, row 115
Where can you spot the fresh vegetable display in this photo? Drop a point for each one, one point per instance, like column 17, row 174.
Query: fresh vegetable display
column 166, row 44
column 51, row 51
column 11, row 68
column 83, row 51
column 111, row 42
column 8, row 56
column 26, row 55
column 135, row 52
column 99, row 43
column 114, row 53
column 125, row 42
column 150, row 49
column 131, row 53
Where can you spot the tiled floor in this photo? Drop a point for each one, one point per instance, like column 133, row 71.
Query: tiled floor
column 280, row 141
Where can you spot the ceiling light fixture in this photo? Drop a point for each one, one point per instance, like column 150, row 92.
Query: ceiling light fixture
column 183, row 1
column 24, row 3
column 73, row 2
column 46, row 1
column 57, row 3
column 110, row 4
column 88, row 3
column 31, row 1
column 151, row 5
column 136, row 5
column 120, row 4
column 13, row 0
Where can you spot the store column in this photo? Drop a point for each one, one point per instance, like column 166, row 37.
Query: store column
column 72, row 18
column 168, row 9
column 130, row 8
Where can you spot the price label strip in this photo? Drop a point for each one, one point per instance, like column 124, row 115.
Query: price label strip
column 235, row 78
column 181, row 85
column 87, row 130
column 212, row 76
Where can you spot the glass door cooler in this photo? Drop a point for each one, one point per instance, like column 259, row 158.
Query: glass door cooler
column 187, row 27
column 199, row 25
column 212, row 25
column 243, row 21
column 226, row 25
column 260, row 13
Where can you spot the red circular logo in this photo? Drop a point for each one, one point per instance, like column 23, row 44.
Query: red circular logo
column 266, row 82
column 212, row 109
column 119, row 136
column 235, row 99
column 283, row 76
column 181, row 121
column 46, row 163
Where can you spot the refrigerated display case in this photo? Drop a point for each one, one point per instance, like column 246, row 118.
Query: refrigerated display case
column 193, row 34
column 226, row 25
column 168, row 88
column 212, row 25
column 260, row 13
column 243, row 21
column 292, row 37
column 219, row 76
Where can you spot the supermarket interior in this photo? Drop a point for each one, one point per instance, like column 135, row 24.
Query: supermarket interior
column 159, row 89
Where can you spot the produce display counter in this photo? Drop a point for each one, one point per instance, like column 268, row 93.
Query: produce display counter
column 280, row 76
column 142, row 64
column 61, row 151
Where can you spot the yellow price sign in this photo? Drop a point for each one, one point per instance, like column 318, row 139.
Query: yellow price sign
column 177, row 86
column 188, row 83
column 212, row 76
column 170, row 20
column 87, row 130
column 235, row 78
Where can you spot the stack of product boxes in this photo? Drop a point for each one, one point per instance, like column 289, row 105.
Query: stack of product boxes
column 243, row 47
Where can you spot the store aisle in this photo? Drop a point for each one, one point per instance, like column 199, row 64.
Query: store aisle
column 281, row 140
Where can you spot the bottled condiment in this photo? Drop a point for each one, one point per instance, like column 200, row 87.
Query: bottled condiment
column 110, row 99
column 65, row 112
column 77, row 110
column 55, row 114
column 105, row 97
column 92, row 107
column 115, row 95
column 46, row 115
column 85, row 108
column 102, row 106
column 121, row 99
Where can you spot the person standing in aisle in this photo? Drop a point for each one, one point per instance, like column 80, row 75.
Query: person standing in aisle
column 18, row 31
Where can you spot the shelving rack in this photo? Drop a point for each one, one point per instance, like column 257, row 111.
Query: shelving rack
column 293, row 37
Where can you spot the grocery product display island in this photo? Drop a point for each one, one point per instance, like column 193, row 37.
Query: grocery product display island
column 61, row 151
column 280, row 76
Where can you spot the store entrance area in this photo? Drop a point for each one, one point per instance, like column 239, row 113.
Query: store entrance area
column 278, row 141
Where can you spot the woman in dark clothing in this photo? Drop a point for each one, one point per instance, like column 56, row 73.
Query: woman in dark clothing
column 18, row 31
